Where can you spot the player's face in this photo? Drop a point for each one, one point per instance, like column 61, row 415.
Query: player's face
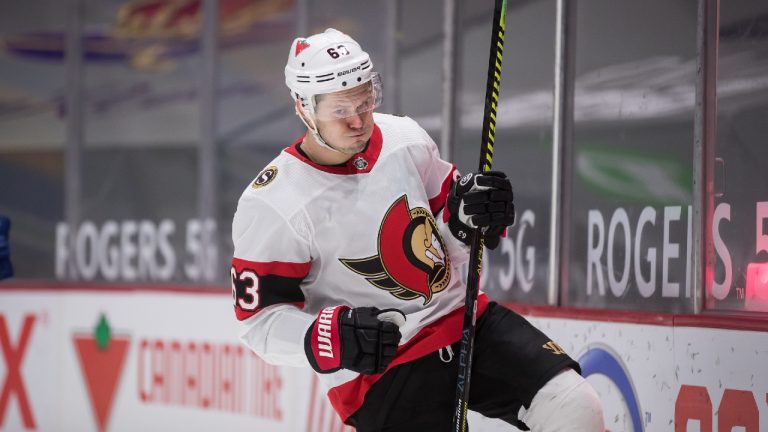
column 345, row 119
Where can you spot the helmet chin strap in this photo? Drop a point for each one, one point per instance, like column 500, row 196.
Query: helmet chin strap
column 316, row 132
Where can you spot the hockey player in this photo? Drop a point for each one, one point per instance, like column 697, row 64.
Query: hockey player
column 347, row 249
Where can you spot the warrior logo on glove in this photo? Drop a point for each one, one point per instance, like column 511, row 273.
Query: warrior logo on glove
column 412, row 262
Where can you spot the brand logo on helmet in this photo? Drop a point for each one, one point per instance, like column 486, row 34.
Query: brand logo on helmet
column 348, row 71
column 265, row 177
column 360, row 163
column 412, row 262
column 301, row 46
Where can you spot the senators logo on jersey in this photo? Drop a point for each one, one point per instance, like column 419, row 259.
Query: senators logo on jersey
column 265, row 177
column 412, row 262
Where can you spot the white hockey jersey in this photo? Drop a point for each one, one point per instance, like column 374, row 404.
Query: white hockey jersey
column 370, row 233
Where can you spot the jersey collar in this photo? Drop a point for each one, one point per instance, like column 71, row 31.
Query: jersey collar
column 360, row 163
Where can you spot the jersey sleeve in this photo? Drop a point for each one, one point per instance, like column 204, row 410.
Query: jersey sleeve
column 270, row 261
column 438, row 176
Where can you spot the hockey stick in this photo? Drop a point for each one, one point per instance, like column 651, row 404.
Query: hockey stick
column 476, row 251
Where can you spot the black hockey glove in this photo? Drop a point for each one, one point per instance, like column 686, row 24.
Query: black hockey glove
column 362, row 339
column 481, row 200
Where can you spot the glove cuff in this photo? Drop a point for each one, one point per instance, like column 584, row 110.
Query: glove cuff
column 460, row 230
column 322, row 342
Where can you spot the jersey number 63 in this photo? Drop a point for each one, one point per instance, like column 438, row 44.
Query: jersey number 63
column 245, row 289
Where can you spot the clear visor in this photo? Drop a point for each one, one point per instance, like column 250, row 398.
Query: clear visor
column 347, row 103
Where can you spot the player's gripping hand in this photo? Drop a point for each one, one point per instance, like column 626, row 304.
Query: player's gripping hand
column 481, row 200
column 362, row 339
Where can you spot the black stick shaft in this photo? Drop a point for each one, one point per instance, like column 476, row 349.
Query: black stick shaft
column 493, row 84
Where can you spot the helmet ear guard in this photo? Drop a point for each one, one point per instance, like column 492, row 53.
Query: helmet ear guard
column 311, row 124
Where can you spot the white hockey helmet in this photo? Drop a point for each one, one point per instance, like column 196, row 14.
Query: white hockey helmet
column 329, row 62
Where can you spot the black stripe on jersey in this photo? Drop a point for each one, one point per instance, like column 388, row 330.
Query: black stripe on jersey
column 280, row 289
column 273, row 289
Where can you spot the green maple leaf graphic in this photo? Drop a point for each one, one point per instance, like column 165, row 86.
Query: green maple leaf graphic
column 102, row 333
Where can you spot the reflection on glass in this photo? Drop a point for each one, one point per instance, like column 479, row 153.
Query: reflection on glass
column 630, row 216
column 32, row 131
column 740, row 225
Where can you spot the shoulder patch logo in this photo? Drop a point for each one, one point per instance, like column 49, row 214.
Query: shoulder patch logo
column 411, row 263
column 265, row 177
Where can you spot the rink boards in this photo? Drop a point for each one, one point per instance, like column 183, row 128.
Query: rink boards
column 127, row 359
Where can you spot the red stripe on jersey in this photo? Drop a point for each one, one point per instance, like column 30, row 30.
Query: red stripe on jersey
column 279, row 268
column 360, row 163
column 438, row 201
column 256, row 285
column 348, row 397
